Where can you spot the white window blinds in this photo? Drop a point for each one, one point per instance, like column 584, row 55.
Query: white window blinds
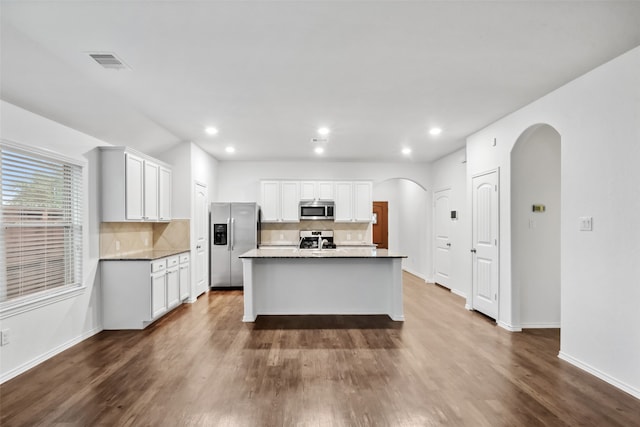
column 41, row 224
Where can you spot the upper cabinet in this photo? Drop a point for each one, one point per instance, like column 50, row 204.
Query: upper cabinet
column 279, row 201
column 354, row 201
column 317, row 190
column 164, row 194
column 134, row 187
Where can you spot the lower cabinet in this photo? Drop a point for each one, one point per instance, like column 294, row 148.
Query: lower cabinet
column 185, row 277
column 137, row 292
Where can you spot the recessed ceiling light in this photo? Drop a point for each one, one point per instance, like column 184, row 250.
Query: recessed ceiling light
column 319, row 150
column 406, row 151
column 211, row 130
column 435, row 131
column 323, row 131
column 230, row 149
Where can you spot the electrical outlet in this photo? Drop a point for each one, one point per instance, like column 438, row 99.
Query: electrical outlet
column 586, row 223
column 146, row 241
column 281, row 236
column 348, row 236
column 117, row 245
column 359, row 236
column 4, row 337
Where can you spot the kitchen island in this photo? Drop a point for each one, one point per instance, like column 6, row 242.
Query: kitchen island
column 329, row 281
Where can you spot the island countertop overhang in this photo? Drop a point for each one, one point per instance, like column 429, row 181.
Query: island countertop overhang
column 369, row 253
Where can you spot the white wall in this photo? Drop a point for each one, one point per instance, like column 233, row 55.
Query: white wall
column 408, row 222
column 450, row 172
column 239, row 181
column 179, row 157
column 597, row 116
column 39, row 334
column 535, row 236
column 205, row 170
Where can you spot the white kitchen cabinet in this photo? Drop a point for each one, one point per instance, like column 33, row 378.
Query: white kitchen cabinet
column 325, row 190
column 317, row 190
column 185, row 276
column 151, row 187
column 134, row 187
column 362, row 201
column 354, row 201
column 136, row 292
column 164, row 194
column 343, row 201
column 279, row 201
column 290, row 201
column 173, row 282
column 270, row 200
column 308, row 190
column 158, row 288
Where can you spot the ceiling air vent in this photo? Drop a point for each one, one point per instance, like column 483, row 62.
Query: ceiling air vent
column 109, row 60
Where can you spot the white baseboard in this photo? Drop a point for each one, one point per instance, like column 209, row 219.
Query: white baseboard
column 551, row 325
column 468, row 307
column 48, row 355
column 604, row 377
column 508, row 327
column 459, row 293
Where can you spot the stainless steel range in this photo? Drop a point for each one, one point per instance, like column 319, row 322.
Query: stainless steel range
column 316, row 239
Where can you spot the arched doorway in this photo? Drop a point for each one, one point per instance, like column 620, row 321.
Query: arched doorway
column 407, row 222
column 535, row 228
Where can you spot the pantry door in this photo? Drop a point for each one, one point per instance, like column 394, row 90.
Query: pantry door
column 442, row 232
column 485, row 223
column 201, row 230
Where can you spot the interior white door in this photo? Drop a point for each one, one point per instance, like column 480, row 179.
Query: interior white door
column 485, row 223
column 201, row 228
column 442, row 232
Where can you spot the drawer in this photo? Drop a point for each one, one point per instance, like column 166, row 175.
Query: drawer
column 184, row 258
column 158, row 265
column 173, row 261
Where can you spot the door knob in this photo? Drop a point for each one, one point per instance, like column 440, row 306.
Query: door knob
column 449, row 244
column 473, row 251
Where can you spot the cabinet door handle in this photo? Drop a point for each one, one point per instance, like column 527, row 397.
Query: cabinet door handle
column 449, row 244
column 473, row 251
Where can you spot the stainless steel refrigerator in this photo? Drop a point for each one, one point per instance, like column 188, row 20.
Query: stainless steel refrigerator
column 235, row 229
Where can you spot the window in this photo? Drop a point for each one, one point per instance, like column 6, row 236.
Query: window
column 40, row 225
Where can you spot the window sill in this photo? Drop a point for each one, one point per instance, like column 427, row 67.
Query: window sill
column 10, row 309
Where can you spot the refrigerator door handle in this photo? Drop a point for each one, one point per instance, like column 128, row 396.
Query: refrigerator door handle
column 229, row 232
column 233, row 233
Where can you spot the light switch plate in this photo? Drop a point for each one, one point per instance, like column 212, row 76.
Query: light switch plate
column 586, row 223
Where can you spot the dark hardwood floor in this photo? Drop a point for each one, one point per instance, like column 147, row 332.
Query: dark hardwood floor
column 201, row 365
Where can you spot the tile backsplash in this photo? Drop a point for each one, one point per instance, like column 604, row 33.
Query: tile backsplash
column 343, row 233
column 122, row 238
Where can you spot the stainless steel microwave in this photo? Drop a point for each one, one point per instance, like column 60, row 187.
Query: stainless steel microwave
column 317, row 210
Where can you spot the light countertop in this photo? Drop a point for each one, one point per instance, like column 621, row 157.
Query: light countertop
column 351, row 252
column 149, row 255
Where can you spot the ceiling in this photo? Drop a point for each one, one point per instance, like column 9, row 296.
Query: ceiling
column 267, row 74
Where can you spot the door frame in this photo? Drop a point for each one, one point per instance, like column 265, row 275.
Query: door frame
column 498, row 245
column 434, row 245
